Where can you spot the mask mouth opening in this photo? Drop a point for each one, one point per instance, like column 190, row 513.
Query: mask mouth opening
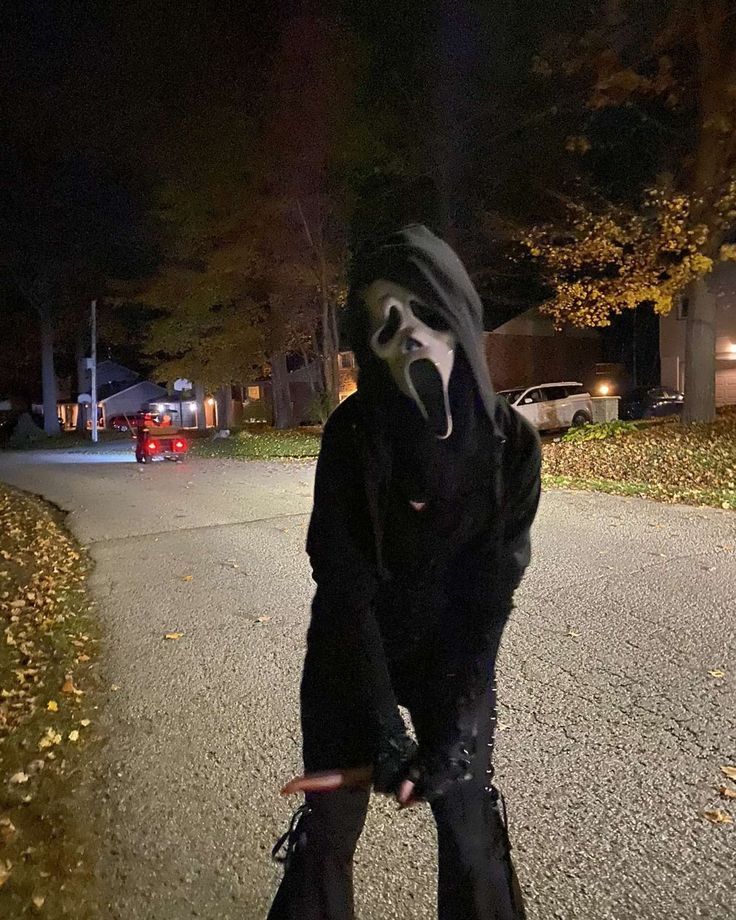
column 431, row 396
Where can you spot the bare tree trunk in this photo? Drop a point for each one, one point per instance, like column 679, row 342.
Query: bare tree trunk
column 700, row 354
column 201, row 407
column 225, row 406
column 48, row 375
column 712, row 167
column 308, row 367
column 330, row 348
column 80, row 356
column 330, row 339
column 282, row 409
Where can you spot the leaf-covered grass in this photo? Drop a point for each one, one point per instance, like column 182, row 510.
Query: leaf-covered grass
column 46, row 717
column 262, row 444
column 666, row 461
column 69, row 440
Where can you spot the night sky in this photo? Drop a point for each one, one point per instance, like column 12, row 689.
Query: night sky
column 103, row 103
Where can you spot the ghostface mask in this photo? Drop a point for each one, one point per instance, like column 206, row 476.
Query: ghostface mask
column 418, row 347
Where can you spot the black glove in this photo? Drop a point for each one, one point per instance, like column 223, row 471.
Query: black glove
column 395, row 756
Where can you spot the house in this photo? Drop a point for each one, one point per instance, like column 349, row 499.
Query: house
column 127, row 399
column 526, row 349
column 672, row 338
column 120, row 391
column 522, row 350
column 183, row 411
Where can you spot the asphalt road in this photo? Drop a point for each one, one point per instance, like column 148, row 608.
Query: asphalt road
column 612, row 730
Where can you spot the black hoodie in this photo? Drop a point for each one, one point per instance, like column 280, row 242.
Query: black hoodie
column 363, row 453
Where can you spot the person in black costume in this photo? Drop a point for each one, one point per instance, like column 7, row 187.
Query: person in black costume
column 426, row 488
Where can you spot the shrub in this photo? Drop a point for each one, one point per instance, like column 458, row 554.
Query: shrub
column 600, row 431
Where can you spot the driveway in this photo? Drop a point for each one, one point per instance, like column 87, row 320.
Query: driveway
column 612, row 730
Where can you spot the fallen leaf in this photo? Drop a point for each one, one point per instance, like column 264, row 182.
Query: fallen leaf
column 717, row 672
column 718, row 816
column 52, row 706
column 263, row 619
column 38, row 901
column 81, row 658
column 5, row 869
column 68, row 685
column 173, row 636
column 7, row 830
column 85, row 722
column 17, row 778
column 51, row 737
column 729, row 771
column 726, row 793
column 187, row 577
column 73, row 735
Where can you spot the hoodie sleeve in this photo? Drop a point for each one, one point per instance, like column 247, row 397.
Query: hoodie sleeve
column 484, row 601
column 522, row 484
column 344, row 569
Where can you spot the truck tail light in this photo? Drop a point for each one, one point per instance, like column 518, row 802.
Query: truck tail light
column 152, row 447
column 179, row 445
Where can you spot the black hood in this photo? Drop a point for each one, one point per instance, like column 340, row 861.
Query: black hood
column 424, row 264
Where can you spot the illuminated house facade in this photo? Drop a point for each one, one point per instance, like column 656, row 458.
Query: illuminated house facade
column 672, row 338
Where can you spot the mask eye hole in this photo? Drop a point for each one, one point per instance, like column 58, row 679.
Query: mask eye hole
column 429, row 317
column 390, row 327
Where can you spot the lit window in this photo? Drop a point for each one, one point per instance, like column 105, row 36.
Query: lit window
column 254, row 392
column 347, row 360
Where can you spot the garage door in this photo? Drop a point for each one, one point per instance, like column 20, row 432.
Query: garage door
column 726, row 384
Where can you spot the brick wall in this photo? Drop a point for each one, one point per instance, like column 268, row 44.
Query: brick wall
column 521, row 360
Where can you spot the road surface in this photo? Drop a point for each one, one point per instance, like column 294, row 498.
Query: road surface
column 612, row 731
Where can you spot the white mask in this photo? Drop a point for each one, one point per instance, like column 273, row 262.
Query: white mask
column 419, row 355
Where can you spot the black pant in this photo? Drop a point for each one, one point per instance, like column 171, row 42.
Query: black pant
column 476, row 878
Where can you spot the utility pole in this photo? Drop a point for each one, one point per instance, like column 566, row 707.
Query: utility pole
column 93, row 371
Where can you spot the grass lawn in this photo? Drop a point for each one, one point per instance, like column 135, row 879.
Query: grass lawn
column 261, row 443
column 665, row 461
column 69, row 440
column 46, row 717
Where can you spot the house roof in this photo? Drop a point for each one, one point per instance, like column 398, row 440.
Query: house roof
column 115, row 371
column 108, row 390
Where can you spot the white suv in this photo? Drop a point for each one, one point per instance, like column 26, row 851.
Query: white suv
column 549, row 406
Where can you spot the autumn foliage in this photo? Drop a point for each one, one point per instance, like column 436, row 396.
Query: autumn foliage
column 613, row 260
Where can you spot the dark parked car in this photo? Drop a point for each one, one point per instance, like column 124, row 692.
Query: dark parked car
column 650, row 402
